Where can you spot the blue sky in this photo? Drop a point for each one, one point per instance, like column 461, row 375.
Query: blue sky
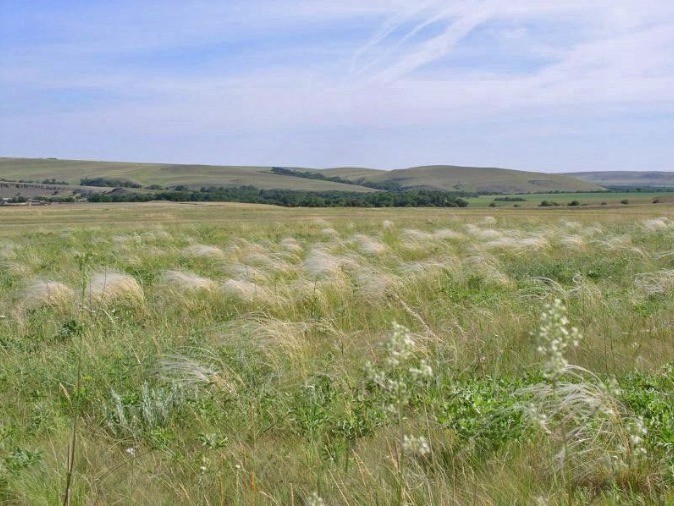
column 526, row 84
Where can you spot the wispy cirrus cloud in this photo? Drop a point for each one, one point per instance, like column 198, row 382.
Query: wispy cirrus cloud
column 396, row 50
column 386, row 83
column 397, row 56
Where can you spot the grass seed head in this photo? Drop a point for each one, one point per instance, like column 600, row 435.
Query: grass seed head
column 203, row 251
column 186, row 281
column 48, row 294
column 321, row 263
column 657, row 224
column 291, row 244
column 369, row 246
column 329, row 232
column 245, row 291
column 115, row 288
column 446, row 234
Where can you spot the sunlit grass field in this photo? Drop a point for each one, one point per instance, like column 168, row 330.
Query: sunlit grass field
column 584, row 199
column 237, row 354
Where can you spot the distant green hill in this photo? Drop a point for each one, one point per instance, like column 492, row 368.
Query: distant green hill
column 631, row 179
column 353, row 173
column 438, row 177
column 471, row 179
column 166, row 175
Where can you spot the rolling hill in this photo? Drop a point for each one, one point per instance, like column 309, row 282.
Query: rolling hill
column 438, row 177
column 470, row 179
column 627, row 179
column 166, row 175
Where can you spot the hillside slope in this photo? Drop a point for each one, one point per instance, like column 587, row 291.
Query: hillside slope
column 352, row 173
column 437, row 177
column 166, row 175
column 476, row 179
column 632, row 179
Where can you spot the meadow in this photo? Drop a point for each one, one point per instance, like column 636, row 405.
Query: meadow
column 614, row 198
column 238, row 354
column 439, row 177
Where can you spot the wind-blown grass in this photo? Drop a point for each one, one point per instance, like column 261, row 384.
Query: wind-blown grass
column 237, row 372
column 110, row 287
column 48, row 294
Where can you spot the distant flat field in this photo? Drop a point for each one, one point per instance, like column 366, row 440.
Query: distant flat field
column 131, row 216
column 534, row 199
column 632, row 179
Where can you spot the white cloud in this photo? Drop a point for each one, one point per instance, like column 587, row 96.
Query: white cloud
column 612, row 58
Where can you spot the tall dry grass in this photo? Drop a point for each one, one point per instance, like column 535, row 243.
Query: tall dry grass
column 236, row 372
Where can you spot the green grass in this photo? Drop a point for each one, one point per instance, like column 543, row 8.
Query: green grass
column 590, row 199
column 146, row 174
column 353, row 173
column 450, row 178
column 634, row 179
column 479, row 179
column 246, row 380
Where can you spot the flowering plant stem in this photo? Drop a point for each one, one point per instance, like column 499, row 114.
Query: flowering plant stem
column 401, row 459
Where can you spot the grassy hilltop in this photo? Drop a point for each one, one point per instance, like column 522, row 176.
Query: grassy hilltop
column 449, row 178
column 471, row 179
column 146, row 174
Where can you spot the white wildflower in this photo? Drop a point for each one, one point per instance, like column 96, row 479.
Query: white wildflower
column 315, row 500
column 416, row 445
column 580, row 413
column 637, row 433
column 423, row 371
column 539, row 418
column 400, row 346
column 401, row 370
column 556, row 337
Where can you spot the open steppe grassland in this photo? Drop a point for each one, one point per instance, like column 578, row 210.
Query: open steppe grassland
column 562, row 199
column 232, row 354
